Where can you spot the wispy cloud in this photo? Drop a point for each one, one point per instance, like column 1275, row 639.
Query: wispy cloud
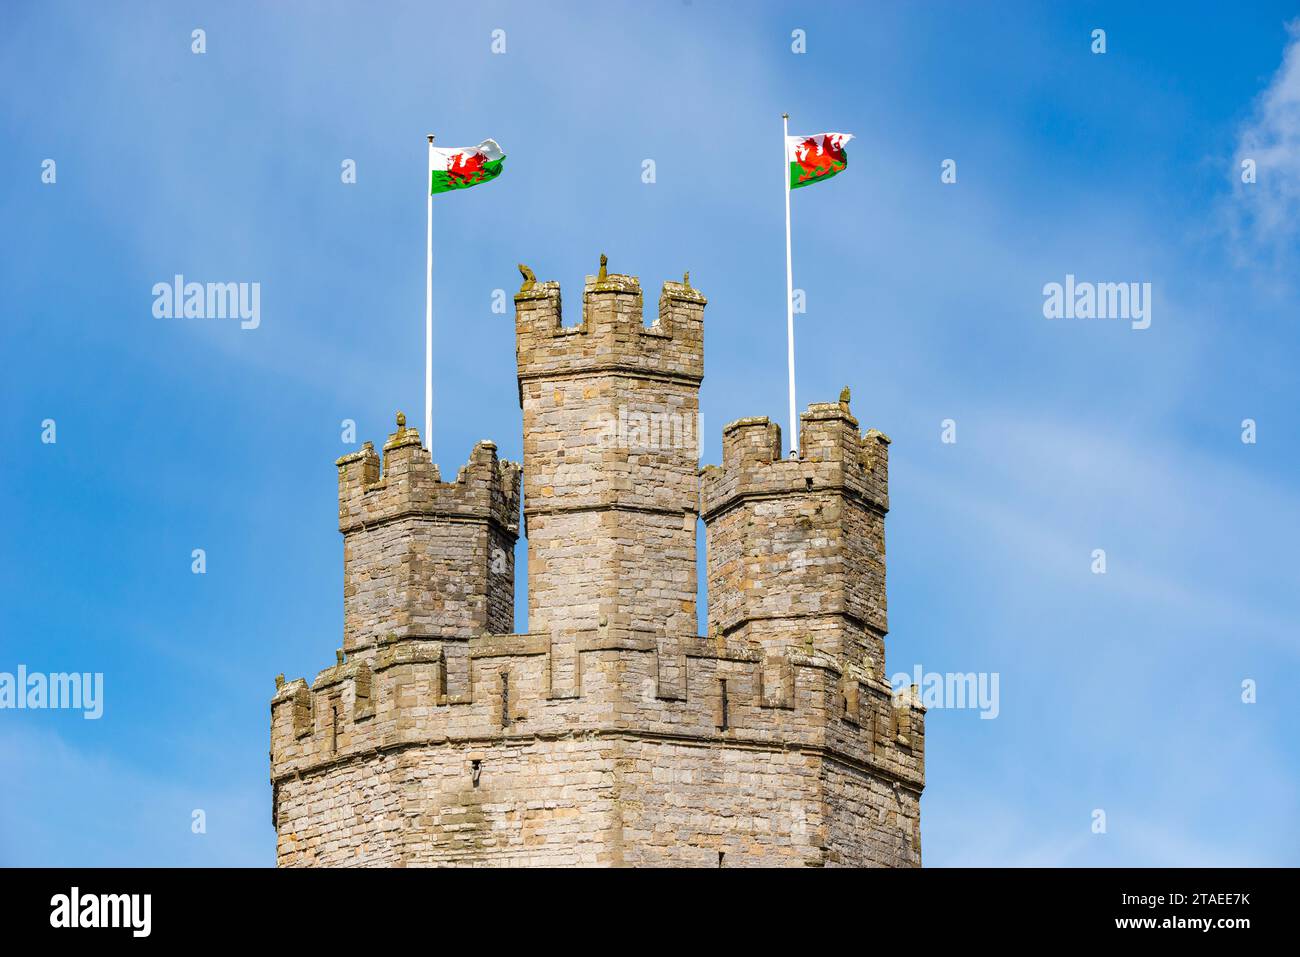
column 1265, row 215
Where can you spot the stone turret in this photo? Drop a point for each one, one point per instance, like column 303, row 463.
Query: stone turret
column 424, row 558
column 611, row 455
column 796, row 547
column 609, row 733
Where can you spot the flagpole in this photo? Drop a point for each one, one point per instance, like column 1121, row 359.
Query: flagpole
column 789, row 283
column 428, row 306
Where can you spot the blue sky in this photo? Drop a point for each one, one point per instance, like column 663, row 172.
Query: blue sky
column 1119, row 692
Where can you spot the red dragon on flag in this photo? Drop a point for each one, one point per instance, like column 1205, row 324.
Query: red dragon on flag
column 817, row 157
column 465, row 169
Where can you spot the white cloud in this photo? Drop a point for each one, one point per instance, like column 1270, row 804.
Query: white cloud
column 1266, row 213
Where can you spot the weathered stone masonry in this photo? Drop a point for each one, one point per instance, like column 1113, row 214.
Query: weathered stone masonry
column 611, row 733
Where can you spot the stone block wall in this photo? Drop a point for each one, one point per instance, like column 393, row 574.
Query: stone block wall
column 661, row 752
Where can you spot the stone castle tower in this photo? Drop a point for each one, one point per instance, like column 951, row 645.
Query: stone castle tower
column 611, row 733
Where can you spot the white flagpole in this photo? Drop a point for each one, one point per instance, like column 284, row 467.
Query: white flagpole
column 428, row 307
column 789, row 284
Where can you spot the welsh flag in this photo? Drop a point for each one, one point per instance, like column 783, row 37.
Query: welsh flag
column 464, row 166
column 816, row 158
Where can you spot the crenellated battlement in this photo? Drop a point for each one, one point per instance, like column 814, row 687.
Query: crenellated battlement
column 613, row 334
column 609, row 733
column 413, row 694
column 486, row 488
column 832, row 455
